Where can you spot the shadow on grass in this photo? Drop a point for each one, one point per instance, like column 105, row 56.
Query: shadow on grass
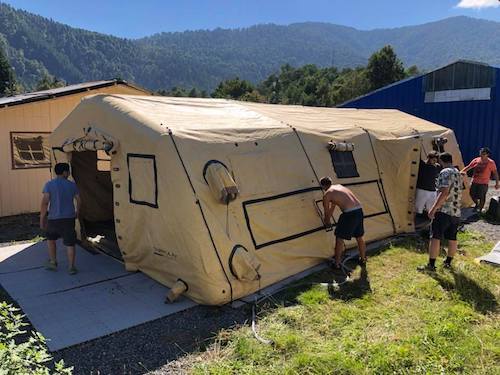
column 335, row 282
column 469, row 291
column 354, row 289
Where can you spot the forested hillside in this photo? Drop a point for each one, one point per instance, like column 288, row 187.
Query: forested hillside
column 36, row 46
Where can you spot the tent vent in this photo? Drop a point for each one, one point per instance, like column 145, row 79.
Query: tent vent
column 244, row 265
column 220, row 181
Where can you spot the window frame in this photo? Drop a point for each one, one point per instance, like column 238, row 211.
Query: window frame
column 155, row 170
column 338, row 168
column 12, row 134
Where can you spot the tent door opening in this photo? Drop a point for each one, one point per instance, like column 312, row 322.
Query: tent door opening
column 91, row 172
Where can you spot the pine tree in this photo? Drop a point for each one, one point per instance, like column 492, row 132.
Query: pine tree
column 384, row 68
column 7, row 77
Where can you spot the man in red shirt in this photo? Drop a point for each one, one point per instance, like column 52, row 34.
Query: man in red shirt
column 484, row 167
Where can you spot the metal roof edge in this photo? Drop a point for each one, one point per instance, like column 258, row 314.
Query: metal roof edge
column 71, row 91
column 414, row 77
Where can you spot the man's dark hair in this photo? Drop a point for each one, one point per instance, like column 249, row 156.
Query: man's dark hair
column 433, row 154
column 485, row 150
column 325, row 182
column 60, row 168
column 446, row 157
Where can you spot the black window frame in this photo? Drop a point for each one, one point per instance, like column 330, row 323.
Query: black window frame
column 130, row 186
column 348, row 161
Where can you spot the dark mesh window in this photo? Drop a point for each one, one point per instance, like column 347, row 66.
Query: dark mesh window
column 461, row 75
column 344, row 164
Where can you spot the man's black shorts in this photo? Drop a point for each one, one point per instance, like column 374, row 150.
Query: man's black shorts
column 445, row 226
column 350, row 225
column 478, row 191
column 64, row 228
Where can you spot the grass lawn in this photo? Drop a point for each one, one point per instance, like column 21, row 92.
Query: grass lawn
column 390, row 319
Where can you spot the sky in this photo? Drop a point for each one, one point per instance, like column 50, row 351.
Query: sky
column 135, row 19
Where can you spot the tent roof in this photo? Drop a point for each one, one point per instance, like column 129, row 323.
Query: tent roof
column 198, row 118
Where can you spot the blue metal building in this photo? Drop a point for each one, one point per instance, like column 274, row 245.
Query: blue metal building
column 463, row 96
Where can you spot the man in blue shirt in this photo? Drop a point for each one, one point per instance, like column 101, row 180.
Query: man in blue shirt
column 58, row 213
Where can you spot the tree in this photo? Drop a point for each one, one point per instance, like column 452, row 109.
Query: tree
column 233, row 89
column 350, row 84
column 49, row 82
column 8, row 84
column 412, row 71
column 384, row 68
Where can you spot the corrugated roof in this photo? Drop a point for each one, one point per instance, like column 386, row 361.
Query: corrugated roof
column 61, row 91
column 346, row 103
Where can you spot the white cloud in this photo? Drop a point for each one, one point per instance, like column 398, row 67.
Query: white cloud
column 478, row 4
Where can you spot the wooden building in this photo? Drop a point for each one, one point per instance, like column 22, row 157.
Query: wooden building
column 25, row 122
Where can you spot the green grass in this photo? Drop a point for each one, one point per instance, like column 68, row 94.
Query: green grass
column 389, row 320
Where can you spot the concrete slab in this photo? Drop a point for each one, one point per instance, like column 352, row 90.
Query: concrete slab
column 492, row 257
column 70, row 317
column 101, row 299
column 23, row 274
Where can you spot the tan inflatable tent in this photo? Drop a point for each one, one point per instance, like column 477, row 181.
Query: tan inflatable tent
column 221, row 198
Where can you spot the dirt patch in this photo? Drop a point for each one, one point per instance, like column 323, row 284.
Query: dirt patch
column 19, row 228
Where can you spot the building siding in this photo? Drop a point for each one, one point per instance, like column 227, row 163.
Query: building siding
column 20, row 189
column 475, row 123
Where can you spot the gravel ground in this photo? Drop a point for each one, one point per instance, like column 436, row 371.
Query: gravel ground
column 489, row 230
column 161, row 346
column 153, row 346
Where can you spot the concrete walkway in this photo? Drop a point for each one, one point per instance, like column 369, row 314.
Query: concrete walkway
column 101, row 299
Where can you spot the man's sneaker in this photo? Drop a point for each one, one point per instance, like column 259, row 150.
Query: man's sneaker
column 333, row 265
column 73, row 271
column 426, row 268
column 447, row 265
column 51, row 266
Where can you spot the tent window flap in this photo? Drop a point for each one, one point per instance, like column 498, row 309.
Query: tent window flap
column 143, row 179
column 344, row 164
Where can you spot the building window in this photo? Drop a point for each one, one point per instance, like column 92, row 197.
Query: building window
column 30, row 150
column 344, row 164
column 460, row 76
column 103, row 161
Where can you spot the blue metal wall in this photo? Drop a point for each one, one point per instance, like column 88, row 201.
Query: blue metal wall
column 476, row 123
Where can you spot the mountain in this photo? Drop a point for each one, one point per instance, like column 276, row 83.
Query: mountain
column 36, row 45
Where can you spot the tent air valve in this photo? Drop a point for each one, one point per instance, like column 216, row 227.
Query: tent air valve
column 177, row 289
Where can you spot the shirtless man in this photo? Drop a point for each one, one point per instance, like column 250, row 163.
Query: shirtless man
column 350, row 223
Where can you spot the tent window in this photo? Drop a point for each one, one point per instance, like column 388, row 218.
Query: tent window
column 29, row 150
column 344, row 164
column 143, row 179
column 103, row 161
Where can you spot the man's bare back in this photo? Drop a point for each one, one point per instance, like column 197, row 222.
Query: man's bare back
column 338, row 195
column 350, row 222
